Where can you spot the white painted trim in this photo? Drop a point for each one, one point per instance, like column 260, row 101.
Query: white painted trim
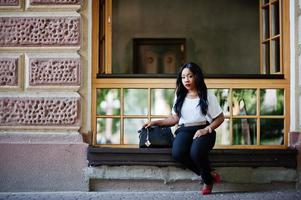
column 292, row 67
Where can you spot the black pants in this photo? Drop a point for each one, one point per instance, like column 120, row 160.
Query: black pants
column 194, row 153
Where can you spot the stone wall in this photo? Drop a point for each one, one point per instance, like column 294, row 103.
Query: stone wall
column 44, row 73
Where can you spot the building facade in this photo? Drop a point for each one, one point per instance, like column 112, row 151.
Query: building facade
column 62, row 62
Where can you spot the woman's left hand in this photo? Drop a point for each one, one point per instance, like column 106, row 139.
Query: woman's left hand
column 200, row 133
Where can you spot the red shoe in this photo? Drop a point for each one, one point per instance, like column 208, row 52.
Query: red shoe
column 216, row 177
column 207, row 189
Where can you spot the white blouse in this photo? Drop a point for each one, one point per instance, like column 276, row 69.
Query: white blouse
column 191, row 112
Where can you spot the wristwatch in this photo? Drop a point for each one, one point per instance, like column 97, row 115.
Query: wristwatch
column 209, row 129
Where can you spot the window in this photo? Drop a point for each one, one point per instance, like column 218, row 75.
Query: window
column 240, row 48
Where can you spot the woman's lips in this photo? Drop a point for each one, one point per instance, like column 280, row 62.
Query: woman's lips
column 187, row 85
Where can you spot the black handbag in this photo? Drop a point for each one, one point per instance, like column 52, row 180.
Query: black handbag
column 155, row 137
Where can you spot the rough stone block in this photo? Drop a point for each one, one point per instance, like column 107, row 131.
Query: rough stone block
column 51, row 2
column 54, row 71
column 39, row 31
column 9, row 2
column 42, row 167
column 8, row 71
column 39, row 111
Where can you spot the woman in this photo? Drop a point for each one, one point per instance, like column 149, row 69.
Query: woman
column 198, row 113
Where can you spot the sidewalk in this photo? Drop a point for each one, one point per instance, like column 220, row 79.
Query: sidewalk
column 185, row 195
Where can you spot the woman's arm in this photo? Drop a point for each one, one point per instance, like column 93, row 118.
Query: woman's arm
column 217, row 121
column 169, row 121
column 213, row 125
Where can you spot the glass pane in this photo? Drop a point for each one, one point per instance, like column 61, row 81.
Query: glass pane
column 135, row 101
column 264, row 1
column 266, row 58
column 223, row 133
column 207, row 43
column 223, row 97
column 131, row 127
column 244, row 131
column 265, row 23
column 271, row 101
column 162, row 101
column 108, row 101
column 271, row 131
column 275, row 18
column 244, row 102
column 275, row 59
column 108, row 131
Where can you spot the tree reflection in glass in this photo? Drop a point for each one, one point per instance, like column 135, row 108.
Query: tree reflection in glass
column 271, row 131
column 135, row 101
column 223, row 98
column 108, row 131
column 162, row 101
column 131, row 127
column 223, row 133
column 271, row 101
column 108, row 101
column 244, row 101
column 244, row 131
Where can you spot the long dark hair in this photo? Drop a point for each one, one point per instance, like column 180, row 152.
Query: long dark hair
column 201, row 87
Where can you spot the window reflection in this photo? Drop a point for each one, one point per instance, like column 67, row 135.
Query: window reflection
column 131, row 126
column 244, row 131
column 223, row 97
column 162, row 101
column 223, row 133
column 244, row 102
column 135, row 101
column 108, row 131
column 271, row 101
column 271, row 131
column 108, row 102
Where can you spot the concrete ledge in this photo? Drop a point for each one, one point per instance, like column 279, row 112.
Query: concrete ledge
column 132, row 178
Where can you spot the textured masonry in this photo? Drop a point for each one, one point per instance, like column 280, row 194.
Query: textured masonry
column 9, row 2
column 39, row 111
column 8, row 71
column 39, row 31
column 43, row 71
column 46, row 2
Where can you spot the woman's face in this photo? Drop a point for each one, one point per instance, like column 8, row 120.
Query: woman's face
column 188, row 79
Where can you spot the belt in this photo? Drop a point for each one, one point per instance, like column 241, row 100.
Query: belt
column 193, row 124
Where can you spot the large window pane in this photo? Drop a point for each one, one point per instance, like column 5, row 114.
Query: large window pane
column 135, row 101
column 266, row 23
column 206, row 26
column 266, row 58
column 223, row 97
column 271, row 101
column 244, row 101
column 108, row 101
column 275, row 18
column 131, row 127
column 275, row 56
column 244, row 131
column 162, row 101
column 223, row 133
column 108, row 131
column 271, row 131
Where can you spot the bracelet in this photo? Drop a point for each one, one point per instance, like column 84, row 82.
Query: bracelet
column 209, row 129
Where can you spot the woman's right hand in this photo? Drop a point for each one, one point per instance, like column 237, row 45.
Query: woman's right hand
column 149, row 124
